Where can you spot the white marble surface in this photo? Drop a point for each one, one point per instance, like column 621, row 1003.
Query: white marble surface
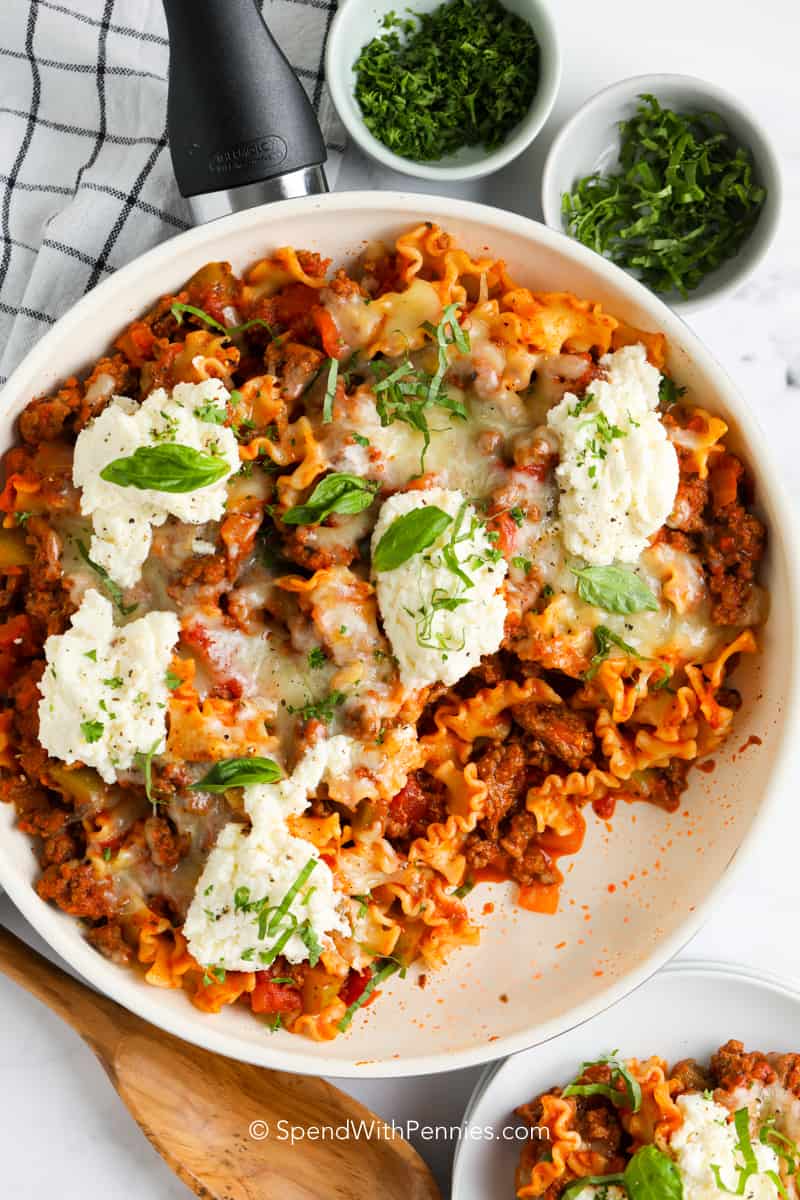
column 62, row 1130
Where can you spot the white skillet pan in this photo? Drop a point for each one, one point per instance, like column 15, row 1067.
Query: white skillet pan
column 533, row 976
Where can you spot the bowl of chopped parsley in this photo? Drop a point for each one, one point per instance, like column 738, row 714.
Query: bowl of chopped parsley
column 671, row 179
column 444, row 89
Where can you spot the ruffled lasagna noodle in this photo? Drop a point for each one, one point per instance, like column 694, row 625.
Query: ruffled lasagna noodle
column 693, row 1130
column 282, row 643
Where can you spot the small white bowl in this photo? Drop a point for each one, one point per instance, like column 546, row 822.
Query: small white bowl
column 590, row 141
column 359, row 21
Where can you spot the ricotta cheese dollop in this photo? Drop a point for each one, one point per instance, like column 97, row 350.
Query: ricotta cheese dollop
column 123, row 517
column 708, row 1136
column 618, row 471
column 251, row 873
column 439, row 625
column 104, row 690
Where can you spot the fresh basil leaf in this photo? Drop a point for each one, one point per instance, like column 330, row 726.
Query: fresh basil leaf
column 337, row 493
column 238, row 772
column 651, row 1175
column 408, row 535
column 169, row 467
column 614, row 589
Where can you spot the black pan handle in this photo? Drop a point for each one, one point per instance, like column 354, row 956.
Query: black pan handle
column 237, row 114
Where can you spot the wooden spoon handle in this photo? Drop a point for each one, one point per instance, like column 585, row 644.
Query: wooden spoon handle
column 96, row 1019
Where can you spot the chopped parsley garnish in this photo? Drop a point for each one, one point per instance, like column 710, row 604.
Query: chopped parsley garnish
column 92, row 730
column 210, row 412
column 22, row 516
column 517, row 516
column 90, row 654
column 319, row 710
column 461, row 75
column 363, row 903
column 172, row 680
column 521, row 563
column 464, row 889
column 115, row 681
column 360, row 440
column 668, row 392
column 683, row 201
column 317, row 657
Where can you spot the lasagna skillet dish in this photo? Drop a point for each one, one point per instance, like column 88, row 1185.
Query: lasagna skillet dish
column 636, row 1129
column 329, row 595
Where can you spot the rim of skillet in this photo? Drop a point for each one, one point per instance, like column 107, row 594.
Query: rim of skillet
column 112, row 980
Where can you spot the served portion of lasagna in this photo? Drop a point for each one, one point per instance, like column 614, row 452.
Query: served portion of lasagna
column 635, row 1130
column 329, row 594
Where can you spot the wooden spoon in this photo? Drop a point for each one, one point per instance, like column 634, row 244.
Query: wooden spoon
column 197, row 1108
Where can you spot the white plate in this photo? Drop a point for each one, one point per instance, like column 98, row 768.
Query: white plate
column 686, row 1011
column 635, row 894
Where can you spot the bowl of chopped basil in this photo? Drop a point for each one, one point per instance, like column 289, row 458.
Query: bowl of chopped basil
column 672, row 179
column 447, row 91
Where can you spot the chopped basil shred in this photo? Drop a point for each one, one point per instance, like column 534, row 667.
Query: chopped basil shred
column 377, row 977
column 330, row 391
column 406, row 392
column 684, row 199
column 631, row 1095
column 604, row 639
column 145, row 763
column 113, row 589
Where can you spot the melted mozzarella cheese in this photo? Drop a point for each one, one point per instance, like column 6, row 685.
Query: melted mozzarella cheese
column 439, row 627
column 250, row 873
column 104, row 690
column 618, row 471
column 680, row 629
column 123, row 517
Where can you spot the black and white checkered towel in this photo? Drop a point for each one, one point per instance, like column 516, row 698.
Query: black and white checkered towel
column 86, row 179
